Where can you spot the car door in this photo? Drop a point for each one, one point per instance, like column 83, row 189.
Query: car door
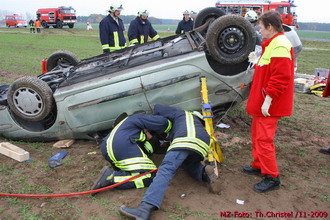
column 94, row 105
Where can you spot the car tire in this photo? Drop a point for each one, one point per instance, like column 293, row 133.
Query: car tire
column 71, row 25
column 30, row 98
column 63, row 58
column 206, row 14
column 230, row 39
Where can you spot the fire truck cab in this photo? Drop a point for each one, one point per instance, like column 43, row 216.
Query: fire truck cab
column 57, row 17
column 15, row 21
column 287, row 9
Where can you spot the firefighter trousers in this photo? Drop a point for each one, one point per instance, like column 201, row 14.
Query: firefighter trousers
column 263, row 148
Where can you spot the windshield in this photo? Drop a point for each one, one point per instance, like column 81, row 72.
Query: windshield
column 68, row 11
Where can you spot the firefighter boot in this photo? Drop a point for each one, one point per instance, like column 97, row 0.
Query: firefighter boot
column 142, row 212
column 105, row 178
column 212, row 180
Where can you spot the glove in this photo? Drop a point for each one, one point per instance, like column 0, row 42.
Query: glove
column 265, row 106
column 253, row 58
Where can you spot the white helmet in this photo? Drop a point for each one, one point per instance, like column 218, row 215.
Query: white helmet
column 115, row 7
column 143, row 12
column 251, row 16
column 186, row 12
column 193, row 13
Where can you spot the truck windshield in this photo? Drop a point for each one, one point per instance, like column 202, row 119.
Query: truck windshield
column 68, row 11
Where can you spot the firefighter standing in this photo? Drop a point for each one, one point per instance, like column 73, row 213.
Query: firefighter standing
column 189, row 146
column 140, row 29
column 271, row 97
column 38, row 23
column 186, row 24
column 112, row 30
column 127, row 148
column 31, row 25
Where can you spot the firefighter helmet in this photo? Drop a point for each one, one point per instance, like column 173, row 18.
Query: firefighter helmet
column 143, row 12
column 193, row 13
column 186, row 12
column 251, row 16
column 115, row 7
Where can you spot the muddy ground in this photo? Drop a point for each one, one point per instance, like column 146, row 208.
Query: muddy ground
column 305, row 176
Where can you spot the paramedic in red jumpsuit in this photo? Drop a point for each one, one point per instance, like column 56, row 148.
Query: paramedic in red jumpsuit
column 271, row 97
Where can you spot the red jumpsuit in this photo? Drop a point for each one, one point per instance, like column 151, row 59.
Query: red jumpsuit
column 273, row 76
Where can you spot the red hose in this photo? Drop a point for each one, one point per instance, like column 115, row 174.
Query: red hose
column 79, row 193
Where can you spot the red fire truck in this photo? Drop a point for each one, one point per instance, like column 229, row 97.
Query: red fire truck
column 15, row 21
column 57, row 17
column 286, row 8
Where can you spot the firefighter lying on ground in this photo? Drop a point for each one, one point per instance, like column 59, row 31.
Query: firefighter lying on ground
column 127, row 148
column 140, row 29
column 189, row 146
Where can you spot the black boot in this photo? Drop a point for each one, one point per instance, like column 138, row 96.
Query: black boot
column 251, row 170
column 142, row 212
column 267, row 184
column 325, row 150
column 105, row 178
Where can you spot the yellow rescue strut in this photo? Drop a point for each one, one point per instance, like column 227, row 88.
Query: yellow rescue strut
column 215, row 154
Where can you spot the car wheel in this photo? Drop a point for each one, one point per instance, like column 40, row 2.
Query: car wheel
column 30, row 98
column 71, row 25
column 63, row 58
column 206, row 14
column 230, row 39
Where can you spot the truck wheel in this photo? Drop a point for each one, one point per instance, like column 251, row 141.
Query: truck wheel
column 59, row 24
column 206, row 14
column 44, row 24
column 230, row 39
column 30, row 98
column 63, row 58
column 71, row 25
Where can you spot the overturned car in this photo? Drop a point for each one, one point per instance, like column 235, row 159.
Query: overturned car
column 82, row 99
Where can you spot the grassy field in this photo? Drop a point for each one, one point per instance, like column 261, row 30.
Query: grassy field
column 22, row 52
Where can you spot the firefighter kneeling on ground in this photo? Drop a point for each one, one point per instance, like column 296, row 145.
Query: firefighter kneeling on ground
column 127, row 148
column 140, row 29
column 190, row 144
column 112, row 30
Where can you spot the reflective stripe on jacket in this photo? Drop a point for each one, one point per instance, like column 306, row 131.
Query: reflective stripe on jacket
column 112, row 34
column 139, row 31
column 188, row 132
column 184, row 26
column 123, row 146
column 273, row 76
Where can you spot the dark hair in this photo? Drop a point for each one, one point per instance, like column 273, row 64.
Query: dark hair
column 272, row 18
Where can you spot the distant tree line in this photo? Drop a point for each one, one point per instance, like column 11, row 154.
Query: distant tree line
column 314, row 26
column 96, row 18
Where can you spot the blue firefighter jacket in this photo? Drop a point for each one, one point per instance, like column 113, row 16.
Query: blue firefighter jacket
column 187, row 131
column 123, row 144
column 139, row 31
column 112, row 34
column 184, row 26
